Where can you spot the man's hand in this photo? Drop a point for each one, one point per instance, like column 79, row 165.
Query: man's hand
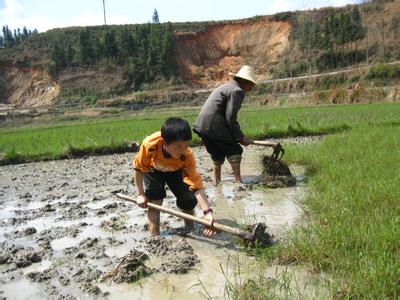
column 209, row 231
column 142, row 201
column 245, row 141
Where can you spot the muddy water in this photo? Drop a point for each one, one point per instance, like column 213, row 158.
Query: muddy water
column 61, row 229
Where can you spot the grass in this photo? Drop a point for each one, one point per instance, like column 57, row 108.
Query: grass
column 354, row 208
column 351, row 224
column 112, row 135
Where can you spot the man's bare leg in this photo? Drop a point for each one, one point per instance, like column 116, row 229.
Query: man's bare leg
column 236, row 172
column 234, row 161
column 217, row 172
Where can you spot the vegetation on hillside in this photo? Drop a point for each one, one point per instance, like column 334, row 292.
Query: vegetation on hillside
column 333, row 38
column 9, row 39
column 145, row 51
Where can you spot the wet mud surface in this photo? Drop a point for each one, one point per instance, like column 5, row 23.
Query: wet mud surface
column 64, row 235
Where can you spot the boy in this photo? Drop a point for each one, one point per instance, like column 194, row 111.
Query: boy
column 165, row 158
column 217, row 123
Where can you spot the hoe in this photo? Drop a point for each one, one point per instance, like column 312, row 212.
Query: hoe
column 258, row 236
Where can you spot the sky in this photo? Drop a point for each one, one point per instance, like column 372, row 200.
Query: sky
column 47, row 14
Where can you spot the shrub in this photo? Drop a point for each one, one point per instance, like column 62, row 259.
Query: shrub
column 384, row 71
column 89, row 99
column 326, row 82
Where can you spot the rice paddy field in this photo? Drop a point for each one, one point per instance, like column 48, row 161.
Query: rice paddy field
column 69, row 139
column 351, row 214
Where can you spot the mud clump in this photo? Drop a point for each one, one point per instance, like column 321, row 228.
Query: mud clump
column 276, row 173
column 170, row 255
column 131, row 268
column 177, row 255
column 92, row 289
column 20, row 256
column 88, row 242
column 113, row 224
column 86, row 274
column 46, row 275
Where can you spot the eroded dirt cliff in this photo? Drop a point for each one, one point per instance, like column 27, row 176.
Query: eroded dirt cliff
column 206, row 58
column 28, row 87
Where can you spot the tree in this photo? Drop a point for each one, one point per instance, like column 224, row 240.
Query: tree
column 58, row 61
column 1, row 41
column 155, row 18
column 69, row 56
column 25, row 33
column 99, row 48
column 127, row 44
column 85, row 47
column 110, row 45
column 357, row 30
column 8, row 37
column 166, row 54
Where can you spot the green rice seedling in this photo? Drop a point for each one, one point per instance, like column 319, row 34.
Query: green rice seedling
column 350, row 228
column 111, row 135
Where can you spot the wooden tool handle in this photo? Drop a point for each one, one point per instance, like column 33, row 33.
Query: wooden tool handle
column 265, row 143
column 218, row 226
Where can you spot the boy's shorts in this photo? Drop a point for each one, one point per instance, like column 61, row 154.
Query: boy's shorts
column 154, row 184
column 220, row 149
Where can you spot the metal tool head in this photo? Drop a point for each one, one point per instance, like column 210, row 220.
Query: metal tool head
column 258, row 237
column 278, row 152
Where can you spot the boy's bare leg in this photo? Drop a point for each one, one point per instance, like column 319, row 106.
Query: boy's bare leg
column 189, row 224
column 153, row 217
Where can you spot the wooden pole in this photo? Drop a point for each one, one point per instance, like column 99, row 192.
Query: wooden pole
column 104, row 12
column 236, row 231
column 265, row 143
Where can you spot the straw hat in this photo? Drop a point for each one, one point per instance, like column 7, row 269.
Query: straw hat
column 247, row 73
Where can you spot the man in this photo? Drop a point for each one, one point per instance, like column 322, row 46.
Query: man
column 217, row 123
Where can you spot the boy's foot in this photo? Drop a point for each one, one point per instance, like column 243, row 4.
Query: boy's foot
column 189, row 225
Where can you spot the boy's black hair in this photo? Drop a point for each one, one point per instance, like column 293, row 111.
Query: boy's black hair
column 176, row 129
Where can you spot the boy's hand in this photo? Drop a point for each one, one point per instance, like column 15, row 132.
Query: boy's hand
column 142, row 201
column 209, row 231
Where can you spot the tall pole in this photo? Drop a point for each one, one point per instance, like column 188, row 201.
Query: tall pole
column 104, row 11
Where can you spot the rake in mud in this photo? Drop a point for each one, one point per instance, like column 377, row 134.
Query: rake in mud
column 276, row 171
column 256, row 237
column 277, row 149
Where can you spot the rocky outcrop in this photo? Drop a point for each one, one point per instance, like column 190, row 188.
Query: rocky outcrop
column 28, row 87
column 206, row 58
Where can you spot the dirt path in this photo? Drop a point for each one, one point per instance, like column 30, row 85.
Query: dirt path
column 62, row 232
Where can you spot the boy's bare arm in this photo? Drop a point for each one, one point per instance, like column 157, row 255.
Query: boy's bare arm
column 142, row 199
column 202, row 199
column 205, row 206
